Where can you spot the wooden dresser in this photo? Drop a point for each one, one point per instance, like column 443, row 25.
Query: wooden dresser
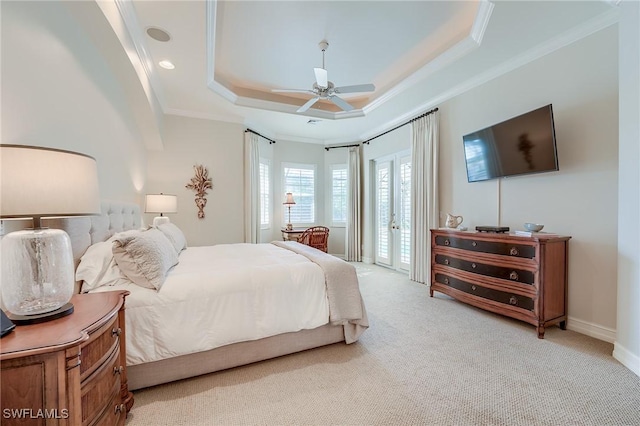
column 520, row 277
column 69, row 371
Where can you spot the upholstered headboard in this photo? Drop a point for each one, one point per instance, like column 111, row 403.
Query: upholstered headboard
column 84, row 231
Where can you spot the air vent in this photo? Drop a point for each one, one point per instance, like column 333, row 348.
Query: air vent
column 313, row 122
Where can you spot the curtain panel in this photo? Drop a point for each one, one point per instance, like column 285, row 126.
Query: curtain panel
column 424, row 194
column 353, row 236
column 251, row 188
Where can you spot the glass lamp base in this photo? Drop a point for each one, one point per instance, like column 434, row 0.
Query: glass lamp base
column 38, row 318
column 37, row 271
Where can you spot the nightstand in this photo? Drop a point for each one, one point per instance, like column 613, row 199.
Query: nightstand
column 69, row 371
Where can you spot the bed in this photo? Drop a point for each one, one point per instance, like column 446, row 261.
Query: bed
column 220, row 306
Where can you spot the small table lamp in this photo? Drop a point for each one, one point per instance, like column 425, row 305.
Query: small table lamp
column 289, row 202
column 37, row 264
column 161, row 203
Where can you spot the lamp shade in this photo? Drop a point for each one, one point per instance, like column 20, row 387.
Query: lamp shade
column 289, row 199
column 161, row 203
column 37, row 182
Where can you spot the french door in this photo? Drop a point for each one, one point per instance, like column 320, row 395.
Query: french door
column 393, row 211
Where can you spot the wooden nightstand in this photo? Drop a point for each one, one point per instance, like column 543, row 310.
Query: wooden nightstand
column 69, row 371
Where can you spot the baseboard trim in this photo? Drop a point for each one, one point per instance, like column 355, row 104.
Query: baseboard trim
column 594, row 330
column 367, row 260
column 627, row 358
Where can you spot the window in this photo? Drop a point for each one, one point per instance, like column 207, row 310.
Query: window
column 299, row 179
column 339, row 194
column 265, row 185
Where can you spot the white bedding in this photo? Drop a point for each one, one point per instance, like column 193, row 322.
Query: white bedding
column 223, row 294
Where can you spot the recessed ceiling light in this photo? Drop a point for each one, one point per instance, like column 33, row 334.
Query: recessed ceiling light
column 158, row 34
column 166, row 64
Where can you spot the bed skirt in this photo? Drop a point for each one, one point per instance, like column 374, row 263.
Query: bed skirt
column 229, row 356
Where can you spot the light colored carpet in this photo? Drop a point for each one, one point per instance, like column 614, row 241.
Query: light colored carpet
column 423, row 361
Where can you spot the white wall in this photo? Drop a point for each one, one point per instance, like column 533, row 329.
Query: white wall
column 627, row 345
column 59, row 91
column 218, row 146
column 581, row 81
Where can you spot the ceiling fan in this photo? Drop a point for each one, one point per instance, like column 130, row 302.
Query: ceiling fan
column 325, row 89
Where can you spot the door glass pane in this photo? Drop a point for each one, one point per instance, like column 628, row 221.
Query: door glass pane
column 383, row 197
column 405, row 211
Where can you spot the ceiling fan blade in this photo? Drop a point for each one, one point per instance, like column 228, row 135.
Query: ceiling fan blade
column 322, row 79
column 356, row 88
column 341, row 103
column 292, row 91
column 307, row 105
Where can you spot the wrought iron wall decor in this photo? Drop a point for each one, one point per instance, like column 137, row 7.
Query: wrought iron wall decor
column 199, row 184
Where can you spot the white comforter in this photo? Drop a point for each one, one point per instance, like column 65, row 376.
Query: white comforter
column 223, row 294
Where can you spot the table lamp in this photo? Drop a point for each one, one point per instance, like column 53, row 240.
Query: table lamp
column 161, row 203
column 289, row 202
column 37, row 264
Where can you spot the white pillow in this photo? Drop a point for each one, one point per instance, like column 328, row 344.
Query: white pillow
column 95, row 267
column 175, row 235
column 145, row 258
column 93, row 264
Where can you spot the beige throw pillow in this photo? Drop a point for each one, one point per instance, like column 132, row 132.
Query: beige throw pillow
column 145, row 258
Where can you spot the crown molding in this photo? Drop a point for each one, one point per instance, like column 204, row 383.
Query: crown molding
column 481, row 22
column 577, row 33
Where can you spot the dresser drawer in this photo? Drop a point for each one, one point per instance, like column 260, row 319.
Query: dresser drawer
column 516, row 250
column 512, row 274
column 102, row 387
column 99, row 347
column 499, row 296
column 113, row 415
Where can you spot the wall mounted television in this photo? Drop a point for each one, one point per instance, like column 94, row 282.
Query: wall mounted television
column 521, row 145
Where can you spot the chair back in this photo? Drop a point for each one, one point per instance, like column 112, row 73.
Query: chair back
column 316, row 237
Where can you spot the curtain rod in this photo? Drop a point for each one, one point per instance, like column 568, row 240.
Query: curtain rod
column 341, row 146
column 403, row 124
column 256, row 133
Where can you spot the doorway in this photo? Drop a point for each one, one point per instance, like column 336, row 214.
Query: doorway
column 393, row 211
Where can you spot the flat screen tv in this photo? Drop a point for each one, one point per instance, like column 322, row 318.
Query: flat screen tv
column 521, row 145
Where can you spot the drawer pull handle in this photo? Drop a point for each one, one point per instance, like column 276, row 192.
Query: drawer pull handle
column 116, row 332
column 446, row 242
column 446, row 261
column 474, row 243
column 118, row 370
column 473, row 265
column 446, row 280
column 513, row 300
column 119, row 408
column 514, row 251
column 513, row 275
column 473, row 287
